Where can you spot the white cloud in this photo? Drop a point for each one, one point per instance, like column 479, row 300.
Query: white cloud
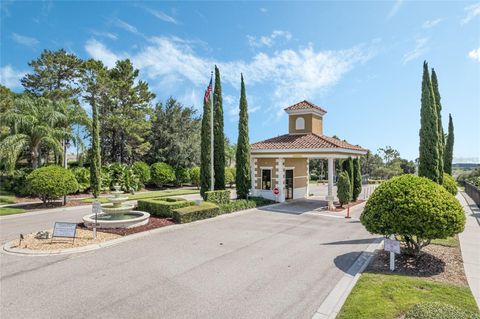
column 162, row 16
column 10, row 77
column 99, row 51
column 126, row 26
column 268, row 40
column 431, row 23
column 420, row 49
column 472, row 12
column 474, row 54
column 109, row 35
column 290, row 75
column 395, row 8
column 24, row 40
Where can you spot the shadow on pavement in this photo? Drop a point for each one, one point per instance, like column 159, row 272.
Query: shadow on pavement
column 352, row 242
column 345, row 261
column 297, row 207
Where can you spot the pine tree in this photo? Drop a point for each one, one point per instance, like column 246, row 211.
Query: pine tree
column 357, row 179
column 441, row 137
column 205, row 147
column 428, row 159
column 218, row 135
column 242, row 176
column 448, row 153
column 347, row 166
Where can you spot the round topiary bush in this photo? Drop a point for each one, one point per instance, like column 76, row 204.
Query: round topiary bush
column 52, row 182
column 438, row 310
column 195, row 175
column 344, row 188
column 414, row 208
column 142, row 170
column 450, row 184
column 162, row 173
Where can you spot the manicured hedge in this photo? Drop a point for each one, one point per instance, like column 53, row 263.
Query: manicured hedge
column 163, row 207
column 52, row 182
column 191, row 213
column 438, row 310
column 450, row 184
column 219, row 197
column 236, row 205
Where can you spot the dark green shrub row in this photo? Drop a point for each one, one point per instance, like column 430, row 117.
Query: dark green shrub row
column 16, row 182
column 449, row 184
column 191, row 213
column 163, row 207
column 241, row 204
column 438, row 310
column 218, row 197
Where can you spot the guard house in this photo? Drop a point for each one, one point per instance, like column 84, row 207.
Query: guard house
column 282, row 161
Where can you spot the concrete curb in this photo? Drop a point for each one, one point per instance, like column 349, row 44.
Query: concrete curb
column 7, row 247
column 331, row 306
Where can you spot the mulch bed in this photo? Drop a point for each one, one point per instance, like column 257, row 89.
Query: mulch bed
column 439, row 263
column 341, row 209
column 154, row 222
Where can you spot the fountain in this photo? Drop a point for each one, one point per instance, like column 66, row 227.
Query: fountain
column 116, row 214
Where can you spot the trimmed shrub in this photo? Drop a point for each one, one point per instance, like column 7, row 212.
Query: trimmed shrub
column 142, row 170
column 124, row 176
column 229, row 176
column 82, row 175
column 105, row 179
column 163, row 207
column 344, row 188
column 52, row 182
column 438, row 310
column 182, row 176
column 415, row 209
column 218, row 197
column 197, row 212
column 16, row 182
column 162, row 174
column 195, row 176
column 449, row 184
column 236, row 205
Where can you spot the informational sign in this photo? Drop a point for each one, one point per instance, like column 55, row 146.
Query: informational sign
column 392, row 245
column 64, row 230
column 96, row 208
column 276, row 191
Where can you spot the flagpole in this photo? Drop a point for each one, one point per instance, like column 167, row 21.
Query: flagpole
column 212, row 178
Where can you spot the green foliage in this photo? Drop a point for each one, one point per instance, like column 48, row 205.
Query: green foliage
column 182, row 176
column 162, row 174
column 439, row 310
column 124, row 176
column 197, row 212
column 441, row 136
column 344, row 190
column 205, row 146
column 241, row 204
column 230, row 176
column 415, row 209
column 218, row 196
column 242, row 175
column 164, row 207
column 142, row 170
column 218, row 135
column 105, row 179
column 52, row 182
column 347, row 166
column 82, row 175
column 195, row 175
column 357, row 179
column 449, row 184
column 448, row 152
column 429, row 156
column 16, row 182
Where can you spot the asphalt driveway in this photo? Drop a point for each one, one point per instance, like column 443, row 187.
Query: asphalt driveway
column 261, row 263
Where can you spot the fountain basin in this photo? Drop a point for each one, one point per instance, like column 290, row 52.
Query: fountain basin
column 112, row 209
column 132, row 218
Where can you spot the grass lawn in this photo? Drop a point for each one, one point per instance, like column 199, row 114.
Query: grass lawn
column 390, row 296
column 6, row 197
column 448, row 242
column 11, row 210
column 143, row 195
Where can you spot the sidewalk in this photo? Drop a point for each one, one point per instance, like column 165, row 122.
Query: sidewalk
column 470, row 244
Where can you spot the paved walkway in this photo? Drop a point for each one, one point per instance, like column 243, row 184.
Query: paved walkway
column 470, row 244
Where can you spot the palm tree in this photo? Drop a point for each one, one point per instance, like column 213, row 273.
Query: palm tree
column 33, row 123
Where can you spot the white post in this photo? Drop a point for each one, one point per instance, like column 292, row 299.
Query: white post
column 280, row 178
column 212, row 176
column 330, row 184
column 392, row 256
column 253, row 176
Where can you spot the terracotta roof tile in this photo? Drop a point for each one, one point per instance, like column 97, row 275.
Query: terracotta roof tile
column 304, row 105
column 303, row 141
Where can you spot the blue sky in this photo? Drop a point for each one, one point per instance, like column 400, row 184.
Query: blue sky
column 362, row 61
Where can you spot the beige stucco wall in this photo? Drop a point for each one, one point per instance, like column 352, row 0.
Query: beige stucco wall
column 299, row 172
column 313, row 123
column 265, row 162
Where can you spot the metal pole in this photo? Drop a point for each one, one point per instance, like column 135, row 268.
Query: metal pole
column 392, row 256
column 211, row 143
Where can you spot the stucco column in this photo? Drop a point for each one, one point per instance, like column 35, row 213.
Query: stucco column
column 253, row 170
column 280, row 177
column 308, row 178
column 330, row 184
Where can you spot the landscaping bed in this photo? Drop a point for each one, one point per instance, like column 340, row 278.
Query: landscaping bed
column 153, row 222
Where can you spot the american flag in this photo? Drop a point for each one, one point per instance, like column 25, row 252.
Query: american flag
column 208, row 91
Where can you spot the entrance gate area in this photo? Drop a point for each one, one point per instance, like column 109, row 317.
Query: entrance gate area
column 289, row 184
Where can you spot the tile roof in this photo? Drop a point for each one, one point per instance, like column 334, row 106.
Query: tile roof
column 303, row 141
column 304, row 105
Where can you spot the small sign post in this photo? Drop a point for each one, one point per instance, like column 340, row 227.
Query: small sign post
column 276, row 191
column 67, row 230
column 393, row 246
column 96, row 209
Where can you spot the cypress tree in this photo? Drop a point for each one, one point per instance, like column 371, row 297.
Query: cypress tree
column 357, row 179
column 448, row 153
column 441, row 137
column 218, row 136
column 242, row 173
column 347, row 166
column 428, row 159
column 95, row 167
column 205, row 148
column 344, row 189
